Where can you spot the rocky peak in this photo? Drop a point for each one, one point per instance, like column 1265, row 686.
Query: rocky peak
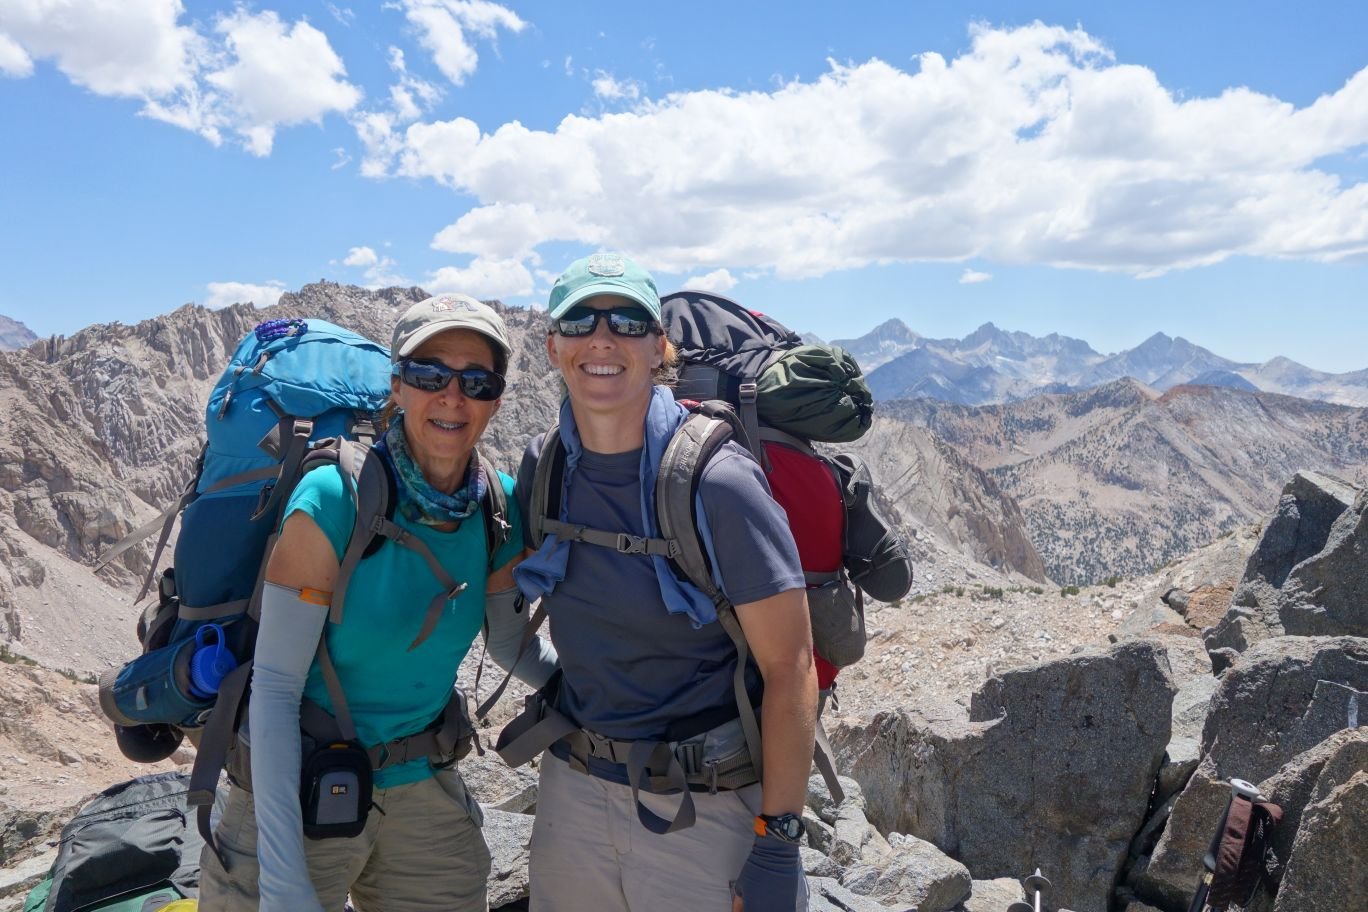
column 14, row 335
column 986, row 333
column 881, row 344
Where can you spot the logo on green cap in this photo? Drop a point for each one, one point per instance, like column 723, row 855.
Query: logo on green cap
column 606, row 264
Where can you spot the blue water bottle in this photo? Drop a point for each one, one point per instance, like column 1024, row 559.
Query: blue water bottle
column 211, row 662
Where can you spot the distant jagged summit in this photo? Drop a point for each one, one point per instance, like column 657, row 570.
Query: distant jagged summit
column 14, row 335
column 881, row 344
column 992, row 365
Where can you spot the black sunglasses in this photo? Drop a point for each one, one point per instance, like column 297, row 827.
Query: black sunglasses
column 431, row 376
column 632, row 322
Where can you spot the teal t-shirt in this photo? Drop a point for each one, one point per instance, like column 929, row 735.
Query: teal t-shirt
column 392, row 692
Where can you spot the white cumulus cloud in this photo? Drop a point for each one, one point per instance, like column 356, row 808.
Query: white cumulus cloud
column 444, row 28
column 411, row 96
column 484, row 279
column 610, row 88
column 248, row 76
column 14, row 60
column 973, row 277
column 719, row 281
column 224, row 294
column 130, row 48
column 360, row 256
column 1034, row 145
column 282, row 75
column 380, row 271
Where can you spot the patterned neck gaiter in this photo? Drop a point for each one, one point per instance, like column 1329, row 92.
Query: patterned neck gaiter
column 419, row 501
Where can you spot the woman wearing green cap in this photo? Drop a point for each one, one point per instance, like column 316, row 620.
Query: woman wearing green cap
column 647, row 664
column 388, row 662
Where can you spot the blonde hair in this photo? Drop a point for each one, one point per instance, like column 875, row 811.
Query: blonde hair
column 665, row 373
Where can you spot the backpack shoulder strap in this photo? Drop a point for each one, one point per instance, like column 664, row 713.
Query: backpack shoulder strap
column 547, row 480
column 494, row 511
column 681, row 468
column 365, row 477
column 698, row 439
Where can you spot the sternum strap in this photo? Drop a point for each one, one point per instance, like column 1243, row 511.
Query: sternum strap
column 621, row 542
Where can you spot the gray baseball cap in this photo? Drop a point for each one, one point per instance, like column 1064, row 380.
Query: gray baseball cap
column 440, row 313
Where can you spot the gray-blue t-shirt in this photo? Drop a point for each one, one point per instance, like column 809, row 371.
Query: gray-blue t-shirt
column 631, row 668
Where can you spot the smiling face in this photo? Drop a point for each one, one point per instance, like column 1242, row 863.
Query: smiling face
column 608, row 377
column 442, row 428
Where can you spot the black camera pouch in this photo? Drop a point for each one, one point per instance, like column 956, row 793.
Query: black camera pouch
column 335, row 790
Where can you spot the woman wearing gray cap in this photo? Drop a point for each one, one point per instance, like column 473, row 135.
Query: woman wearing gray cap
column 410, row 612
column 649, row 798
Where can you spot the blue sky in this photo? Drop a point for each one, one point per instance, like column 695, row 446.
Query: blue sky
column 1103, row 170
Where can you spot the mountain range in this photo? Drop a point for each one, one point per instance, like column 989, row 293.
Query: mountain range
column 14, row 334
column 1122, row 478
column 991, row 365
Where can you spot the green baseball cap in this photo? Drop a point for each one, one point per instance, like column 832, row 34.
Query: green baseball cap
column 604, row 274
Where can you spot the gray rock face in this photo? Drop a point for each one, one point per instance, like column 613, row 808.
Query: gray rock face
column 1330, row 856
column 1300, row 528
column 1283, row 697
column 1052, row 767
column 1313, row 772
column 918, row 874
column 496, row 785
column 899, row 871
column 993, row 895
column 1327, row 594
column 508, row 837
column 827, row 895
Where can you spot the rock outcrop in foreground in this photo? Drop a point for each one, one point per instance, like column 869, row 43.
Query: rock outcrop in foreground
column 1051, row 766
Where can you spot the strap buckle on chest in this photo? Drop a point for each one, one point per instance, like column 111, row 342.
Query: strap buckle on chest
column 631, row 544
column 640, row 544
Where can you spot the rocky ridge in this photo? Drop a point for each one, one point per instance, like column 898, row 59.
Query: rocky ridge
column 1120, row 478
column 991, row 365
column 14, row 335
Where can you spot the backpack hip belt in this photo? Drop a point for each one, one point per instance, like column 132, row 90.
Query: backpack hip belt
column 448, row 739
column 718, row 759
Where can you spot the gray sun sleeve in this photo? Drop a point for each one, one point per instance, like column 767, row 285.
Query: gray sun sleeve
column 286, row 644
column 506, row 619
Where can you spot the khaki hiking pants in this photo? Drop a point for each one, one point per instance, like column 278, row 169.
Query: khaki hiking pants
column 425, row 853
column 590, row 853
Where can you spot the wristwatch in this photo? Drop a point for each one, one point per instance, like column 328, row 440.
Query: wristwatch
column 787, row 827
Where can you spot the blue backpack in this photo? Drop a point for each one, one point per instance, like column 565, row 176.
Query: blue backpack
column 295, row 395
column 289, row 385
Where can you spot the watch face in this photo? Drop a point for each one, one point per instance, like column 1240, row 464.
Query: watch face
column 789, row 827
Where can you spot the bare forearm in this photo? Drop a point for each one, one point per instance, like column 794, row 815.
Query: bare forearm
column 787, row 721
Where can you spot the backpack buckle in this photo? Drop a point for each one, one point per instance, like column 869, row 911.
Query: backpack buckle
column 631, row 544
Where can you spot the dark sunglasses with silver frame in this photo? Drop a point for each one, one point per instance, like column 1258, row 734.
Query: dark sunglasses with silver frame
column 629, row 321
column 430, row 376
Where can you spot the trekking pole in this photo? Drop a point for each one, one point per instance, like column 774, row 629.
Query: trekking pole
column 1036, row 883
column 1239, row 788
